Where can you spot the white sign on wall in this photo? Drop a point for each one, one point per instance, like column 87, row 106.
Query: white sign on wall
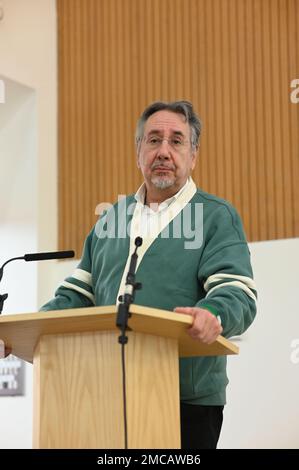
column 12, row 371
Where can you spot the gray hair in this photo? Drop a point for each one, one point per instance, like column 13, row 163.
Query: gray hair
column 180, row 107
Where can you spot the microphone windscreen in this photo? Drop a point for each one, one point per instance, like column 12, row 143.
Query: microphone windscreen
column 49, row 255
column 138, row 241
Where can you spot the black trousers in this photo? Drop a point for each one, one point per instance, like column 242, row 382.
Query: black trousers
column 200, row 426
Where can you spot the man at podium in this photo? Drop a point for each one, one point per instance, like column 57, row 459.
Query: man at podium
column 194, row 259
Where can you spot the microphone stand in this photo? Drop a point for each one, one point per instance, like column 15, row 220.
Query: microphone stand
column 123, row 315
column 34, row 257
column 127, row 298
column 3, row 297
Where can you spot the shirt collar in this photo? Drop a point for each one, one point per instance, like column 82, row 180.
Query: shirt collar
column 140, row 194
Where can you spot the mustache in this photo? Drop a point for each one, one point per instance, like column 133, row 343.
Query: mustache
column 161, row 165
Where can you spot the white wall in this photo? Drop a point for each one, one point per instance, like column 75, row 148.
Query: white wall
column 28, row 190
column 28, row 55
column 18, row 235
column 263, row 408
column 18, row 197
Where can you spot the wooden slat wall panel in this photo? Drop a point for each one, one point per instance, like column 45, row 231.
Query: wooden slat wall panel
column 234, row 59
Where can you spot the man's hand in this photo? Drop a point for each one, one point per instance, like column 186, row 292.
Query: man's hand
column 205, row 327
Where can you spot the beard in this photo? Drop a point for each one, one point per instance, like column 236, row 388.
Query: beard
column 162, row 182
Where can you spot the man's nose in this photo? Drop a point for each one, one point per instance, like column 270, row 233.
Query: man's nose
column 163, row 150
column 163, row 155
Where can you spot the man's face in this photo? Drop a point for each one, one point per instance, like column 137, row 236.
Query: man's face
column 165, row 154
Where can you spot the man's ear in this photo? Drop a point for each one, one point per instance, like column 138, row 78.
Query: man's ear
column 137, row 160
column 194, row 158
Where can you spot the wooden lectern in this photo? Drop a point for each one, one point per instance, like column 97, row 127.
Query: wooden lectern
column 78, row 401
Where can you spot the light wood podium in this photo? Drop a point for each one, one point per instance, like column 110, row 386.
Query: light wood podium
column 78, row 400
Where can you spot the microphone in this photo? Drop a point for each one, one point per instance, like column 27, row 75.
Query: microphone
column 128, row 297
column 138, row 241
column 34, row 257
column 130, row 280
column 131, row 285
column 49, row 255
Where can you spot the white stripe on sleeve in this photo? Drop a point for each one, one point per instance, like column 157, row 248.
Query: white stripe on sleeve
column 222, row 276
column 83, row 276
column 236, row 284
column 79, row 289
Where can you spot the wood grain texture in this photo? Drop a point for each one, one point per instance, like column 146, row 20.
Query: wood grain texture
column 79, row 379
column 234, row 59
column 21, row 332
